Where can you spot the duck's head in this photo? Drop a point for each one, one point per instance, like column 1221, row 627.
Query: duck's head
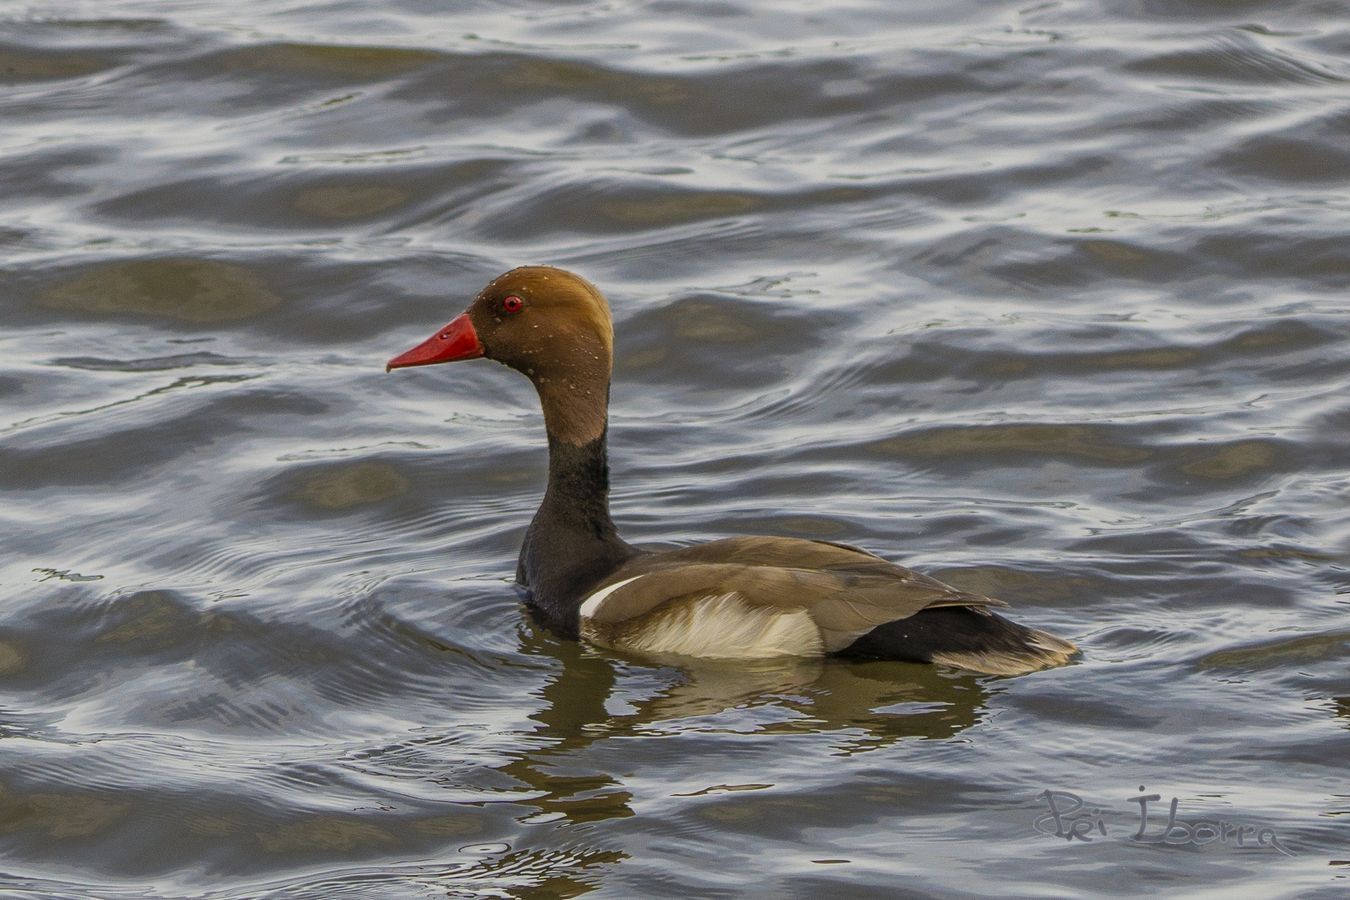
column 549, row 324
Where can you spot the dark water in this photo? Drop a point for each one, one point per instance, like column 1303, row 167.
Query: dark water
column 1046, row 299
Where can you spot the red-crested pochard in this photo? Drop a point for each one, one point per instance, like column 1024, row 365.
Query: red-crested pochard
column 749, row 597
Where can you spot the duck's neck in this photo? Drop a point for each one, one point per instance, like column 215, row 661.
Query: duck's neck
column 577, row 498
column 572, row 542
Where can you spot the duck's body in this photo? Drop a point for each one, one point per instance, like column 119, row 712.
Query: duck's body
column 747, row 597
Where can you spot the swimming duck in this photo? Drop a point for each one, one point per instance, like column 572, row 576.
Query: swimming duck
column 746, row 597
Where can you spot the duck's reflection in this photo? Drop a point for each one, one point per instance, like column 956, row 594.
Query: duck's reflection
column 594, row 696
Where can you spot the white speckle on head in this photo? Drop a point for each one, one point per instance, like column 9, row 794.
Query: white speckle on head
column 592, row 603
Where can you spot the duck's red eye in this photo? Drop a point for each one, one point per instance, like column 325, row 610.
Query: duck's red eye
column 512, row 304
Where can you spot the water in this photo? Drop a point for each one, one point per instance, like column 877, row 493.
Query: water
column 1046, row 299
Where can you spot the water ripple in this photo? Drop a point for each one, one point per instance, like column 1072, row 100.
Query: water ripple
column 1047, row 300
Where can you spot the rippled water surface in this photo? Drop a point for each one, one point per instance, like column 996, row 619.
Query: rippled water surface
column 1047, row 299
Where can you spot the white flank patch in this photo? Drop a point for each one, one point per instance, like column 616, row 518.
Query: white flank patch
column 725, row 626
column 592, row 603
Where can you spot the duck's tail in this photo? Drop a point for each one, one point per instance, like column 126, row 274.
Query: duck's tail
column 967, row 638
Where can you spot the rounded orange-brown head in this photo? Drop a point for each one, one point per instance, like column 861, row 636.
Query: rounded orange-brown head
column 550, row 324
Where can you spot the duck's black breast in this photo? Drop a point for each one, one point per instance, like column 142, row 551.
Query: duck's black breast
column 558, row 569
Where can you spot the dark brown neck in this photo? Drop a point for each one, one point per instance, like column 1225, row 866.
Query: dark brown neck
column 572, row 542
column 576, row 404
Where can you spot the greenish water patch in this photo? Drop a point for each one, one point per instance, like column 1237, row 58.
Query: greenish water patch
column 190, row 290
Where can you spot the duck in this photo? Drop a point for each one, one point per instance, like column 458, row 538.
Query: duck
column 743, row 597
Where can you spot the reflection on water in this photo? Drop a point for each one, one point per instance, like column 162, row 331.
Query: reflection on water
column 880, row 702
column 1047, row 300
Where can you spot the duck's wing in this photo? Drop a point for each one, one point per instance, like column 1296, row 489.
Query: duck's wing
column 764, row 551
column 845, row 591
